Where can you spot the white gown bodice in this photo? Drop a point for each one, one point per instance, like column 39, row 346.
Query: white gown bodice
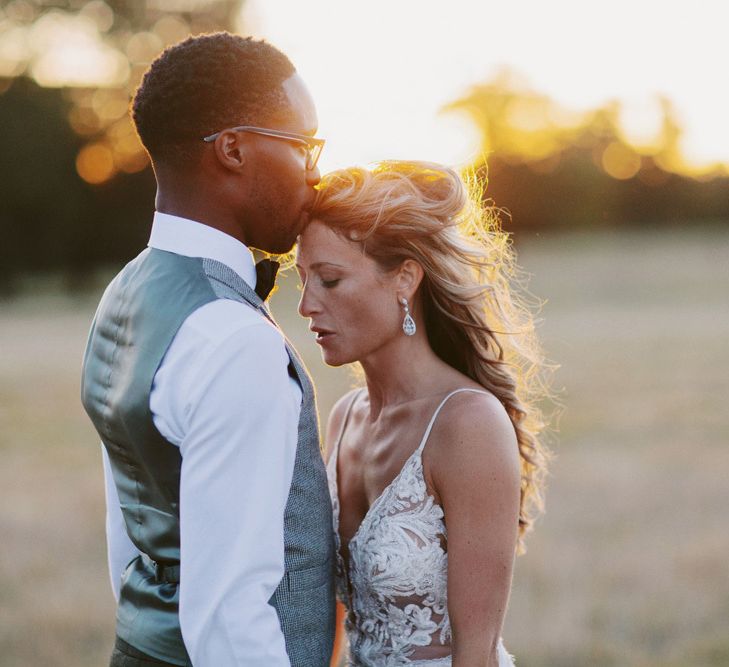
column 395, row 588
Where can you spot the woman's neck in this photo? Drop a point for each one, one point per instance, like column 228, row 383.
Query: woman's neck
column 405, row 370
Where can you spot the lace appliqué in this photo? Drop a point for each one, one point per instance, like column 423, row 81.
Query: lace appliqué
column 396, row 588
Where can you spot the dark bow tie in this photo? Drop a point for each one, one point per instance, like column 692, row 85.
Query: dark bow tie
column 266, row 271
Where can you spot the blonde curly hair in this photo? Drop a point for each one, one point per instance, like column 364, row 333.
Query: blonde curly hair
column 477, row 318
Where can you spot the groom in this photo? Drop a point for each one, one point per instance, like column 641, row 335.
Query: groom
column 219, row 519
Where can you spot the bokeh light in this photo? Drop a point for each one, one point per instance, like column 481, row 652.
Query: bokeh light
column 95, row 163
column 68, row 52
column 620, row 162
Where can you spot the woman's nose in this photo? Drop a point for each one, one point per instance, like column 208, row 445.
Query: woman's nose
column 307, row 305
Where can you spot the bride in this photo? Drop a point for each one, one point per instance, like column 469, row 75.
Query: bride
column 435, row 465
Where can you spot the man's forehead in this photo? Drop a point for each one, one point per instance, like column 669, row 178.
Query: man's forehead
column 302, row 111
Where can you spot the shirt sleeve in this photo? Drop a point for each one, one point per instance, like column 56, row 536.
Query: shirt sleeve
column 238, row 451
column 120, row 549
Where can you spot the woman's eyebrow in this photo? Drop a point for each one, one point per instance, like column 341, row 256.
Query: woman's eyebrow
column 317, row 265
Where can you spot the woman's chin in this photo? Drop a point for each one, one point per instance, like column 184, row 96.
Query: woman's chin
column 335, row 360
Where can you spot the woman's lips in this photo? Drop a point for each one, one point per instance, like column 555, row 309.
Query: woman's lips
column 322, row 334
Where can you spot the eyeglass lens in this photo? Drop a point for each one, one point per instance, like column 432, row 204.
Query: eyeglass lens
column 313, row 156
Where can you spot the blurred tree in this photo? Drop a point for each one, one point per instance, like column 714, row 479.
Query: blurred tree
column 549, row 167
column 50, row 219
column 76, row 189
column 38, row 148
column 98, row 50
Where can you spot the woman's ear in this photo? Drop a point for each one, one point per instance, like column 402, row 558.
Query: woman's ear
column 409, row 276
column 229, row 150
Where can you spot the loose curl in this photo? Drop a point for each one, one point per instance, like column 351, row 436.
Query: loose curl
column 474, row 318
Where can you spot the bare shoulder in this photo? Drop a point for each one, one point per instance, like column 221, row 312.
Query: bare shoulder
column 336, row 420
column 474, row 437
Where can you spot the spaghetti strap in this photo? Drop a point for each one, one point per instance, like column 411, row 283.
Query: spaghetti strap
column 437, row 410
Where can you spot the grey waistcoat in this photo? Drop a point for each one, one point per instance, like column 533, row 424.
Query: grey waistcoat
column 139, row 315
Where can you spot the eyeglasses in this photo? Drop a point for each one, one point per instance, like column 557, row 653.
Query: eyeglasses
column 313, row 145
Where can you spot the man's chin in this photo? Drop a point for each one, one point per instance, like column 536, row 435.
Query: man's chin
column 282, row 248
column 304, row 220
column 285, row 240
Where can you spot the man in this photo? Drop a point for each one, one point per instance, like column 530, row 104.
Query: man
column 219, row 519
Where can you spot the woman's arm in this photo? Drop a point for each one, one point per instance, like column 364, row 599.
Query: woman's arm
column 475, row 469
column 339, row 637
column 335, row 423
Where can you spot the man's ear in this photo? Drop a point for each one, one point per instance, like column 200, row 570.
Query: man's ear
column 409, row 276
column 230, row 150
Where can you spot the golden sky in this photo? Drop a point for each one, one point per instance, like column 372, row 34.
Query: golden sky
column 380, row 70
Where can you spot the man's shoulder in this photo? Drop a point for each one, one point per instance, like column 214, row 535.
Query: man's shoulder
column 222, row 319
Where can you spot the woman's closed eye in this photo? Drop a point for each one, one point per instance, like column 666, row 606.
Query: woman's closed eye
column 328, row 284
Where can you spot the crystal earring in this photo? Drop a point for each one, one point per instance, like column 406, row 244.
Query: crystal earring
column 408, row 324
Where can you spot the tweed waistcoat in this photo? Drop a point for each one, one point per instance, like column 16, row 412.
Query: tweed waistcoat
column 136, row 321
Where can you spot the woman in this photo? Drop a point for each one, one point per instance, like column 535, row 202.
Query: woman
column 434, row 466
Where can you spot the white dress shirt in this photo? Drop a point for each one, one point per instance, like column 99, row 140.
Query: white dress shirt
column 223, row 395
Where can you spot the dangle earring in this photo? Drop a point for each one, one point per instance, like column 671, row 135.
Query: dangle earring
column 408, row 324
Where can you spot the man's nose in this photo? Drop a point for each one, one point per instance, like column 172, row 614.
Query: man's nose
column 313, row 176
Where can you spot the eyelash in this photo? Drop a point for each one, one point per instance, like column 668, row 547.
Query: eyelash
column 328, row 284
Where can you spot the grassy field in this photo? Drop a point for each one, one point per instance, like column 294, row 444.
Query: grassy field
column 628, row 566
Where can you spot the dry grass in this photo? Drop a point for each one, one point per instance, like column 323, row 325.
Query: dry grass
column 628, row 567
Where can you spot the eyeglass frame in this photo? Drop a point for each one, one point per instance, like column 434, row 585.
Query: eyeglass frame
column 314, row 145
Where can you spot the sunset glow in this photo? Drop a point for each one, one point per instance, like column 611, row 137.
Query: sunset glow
column 382, row 70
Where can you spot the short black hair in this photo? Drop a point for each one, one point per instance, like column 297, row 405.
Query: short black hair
column 204, row 84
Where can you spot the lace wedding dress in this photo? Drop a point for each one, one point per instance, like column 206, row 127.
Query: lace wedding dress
column 395, row 588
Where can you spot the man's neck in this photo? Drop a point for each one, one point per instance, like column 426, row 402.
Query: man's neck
column 200, row 210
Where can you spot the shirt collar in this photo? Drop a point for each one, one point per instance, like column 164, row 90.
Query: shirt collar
column 194, row 239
